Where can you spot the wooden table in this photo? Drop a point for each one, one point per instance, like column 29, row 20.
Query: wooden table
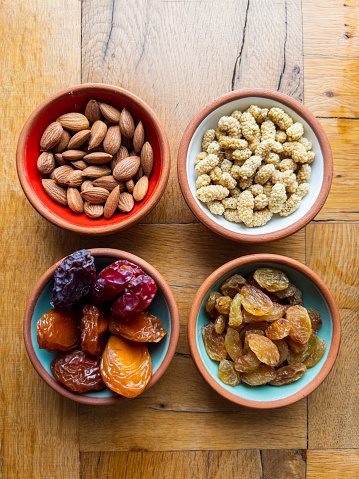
column 177, row 55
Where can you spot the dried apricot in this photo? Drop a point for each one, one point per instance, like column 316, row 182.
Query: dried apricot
column 315, row 318
column 271, row 279
column 262, row 375
column 255, row 301
column 278, row 329
column 265, row 350
column 233, row 344
column 288, row 374
column 211, row 304
column 278, row 312
column 59, row 330
column 228, row 374
column 235, row 313
column 214, row 343
column 301, row 327
column 141, row 328
column 94, row 330
column 223, row 304
column 126, row 366
column 232, row 286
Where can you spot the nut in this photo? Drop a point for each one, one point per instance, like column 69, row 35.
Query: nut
column 75, row 200
column 147, row 159
column 127, row 168
column 126, row 202
column 127, row 124
column 138, row 137
column 109, row 182
column 64, row 141
column 98, row 158
column 74, row 121
column 130, row 184
column 74, row 179
column 51, row 136
column 98, row 133
column 140, row 189
column 112, row 140
column 119, row 156
column 111, row 203
column 79, row 164
column 61, row 161
column 78, row 139
column 93, row 211
column 86, row 184
column 95, row 195
column 46, row 163
column 61, row 173
column 110, row 113
column 96, row 171
column 73, row 155
column 92, row 111
column 55, row 191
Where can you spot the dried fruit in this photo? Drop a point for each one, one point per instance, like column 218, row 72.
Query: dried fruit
column 73, row 279
column 233, row 344
column 278, row 329
column 126, row 366
column 247, row 363
column 235, row 313
column 316, row 355
column 142, row 327
column 211, row 304
column 232, row 286
column 293, row 357
column 292, row 293
column 271, row 279
column 315, row 318
column 294, row 346
column 214, row 343
column 283, row 349
column 51, row 136
column 220, row 323
column 58, row 330
column 251, row 328
column 265, row 350
column 263, row 375
column 94, row 330
column 227, row 374
column 137, row 296
column 255, row 301
column 77, row 371
column 223, row 304
column 278, row 312
column 288, row 374
column 301, row 327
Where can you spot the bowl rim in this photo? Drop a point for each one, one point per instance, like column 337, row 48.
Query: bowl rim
column 115, row 255
column 304, row 113
column 279, row 260
column 111, row 228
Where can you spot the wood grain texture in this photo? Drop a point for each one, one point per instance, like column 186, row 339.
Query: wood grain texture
column 332, row 252
column 284, row 464
column 334, row 93
column 39, row 54
column 161, row 59
column 342, row 202
column 331, row 27
column 333, row 464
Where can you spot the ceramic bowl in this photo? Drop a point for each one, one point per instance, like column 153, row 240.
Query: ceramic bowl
column 163, row 306
column 315, row 295
column 278, row 227
column 75, row 99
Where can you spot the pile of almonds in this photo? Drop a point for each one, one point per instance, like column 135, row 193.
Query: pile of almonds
column 96, row 162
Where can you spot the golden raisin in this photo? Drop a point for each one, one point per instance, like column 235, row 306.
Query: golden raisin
column 283, row 349
column 315, row 318
column 288, row 374
column 278, row 312
column 232, row 286
column 214, row 343
column 260, row 376
column 211, row 304
column 271, row 279
column 294, row 357
column 235, row 313
column 247, row 363
column 278, row 329
column 301, row 327
column 265, row 350
column 228, row 374
column 233, row 344
column 223, row 304
column 316, row 355
column 255, row 301
column 220, row 323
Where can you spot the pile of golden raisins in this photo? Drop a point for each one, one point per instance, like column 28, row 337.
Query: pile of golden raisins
column 261, row 332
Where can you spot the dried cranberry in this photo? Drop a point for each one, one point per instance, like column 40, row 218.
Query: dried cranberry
column 137, row 296
column 113, row 280
column 73, row 279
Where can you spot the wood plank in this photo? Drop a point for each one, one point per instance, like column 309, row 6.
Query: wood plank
column 165, row 60
column 40, row 54
column 331, row 89
column 332, row 252
column 331, row 27
column 283, row 464
column 333, row 464
column 343, row 199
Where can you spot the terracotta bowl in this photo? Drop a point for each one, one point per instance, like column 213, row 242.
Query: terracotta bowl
column 75, row 99
column 163, row 305
column 315, row 295
column 278, row 227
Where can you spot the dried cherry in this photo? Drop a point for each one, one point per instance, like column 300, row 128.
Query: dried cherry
column 137, row 296
column 142, row 327
column 94, row 330
column 77, row 371
column 59, row 330
column 73, row 279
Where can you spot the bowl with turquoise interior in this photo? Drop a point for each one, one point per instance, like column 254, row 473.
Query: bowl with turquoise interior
column 163, row 306
column 316, row 295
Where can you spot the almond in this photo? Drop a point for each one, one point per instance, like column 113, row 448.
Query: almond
column 94, row 195
column 51, row 136
column 98, row 158
column 112, row 140
column 127, row 124
column 109, row 183
column 98, row 133
column 127, row 168
column 133, row 153
column 55, row 191
column 119, row 156
column 138, row 137
column 130, row 184
column 74, row 200
column 74, row 121
column 139, row 174
column 92, row 111
column 61, row 173
column 93, row 211
column 61, row 161
column 64, row 141
column 147, row 159
column 94, row 150
column 96, row 171
column 74, row 179
column 126, row 202
column 79, row 164
column 127, row 142
column 86, row 184
column 79, row 139
column 140, row 189
column 111, row 203
column 73, row 155
column 46, row 163
column 110, row 113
